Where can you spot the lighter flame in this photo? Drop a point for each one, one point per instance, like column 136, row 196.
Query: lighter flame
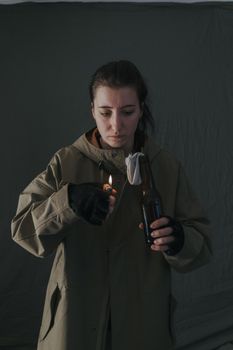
column 110, row 180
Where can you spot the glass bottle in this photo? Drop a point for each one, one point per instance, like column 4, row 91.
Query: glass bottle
column 150, row 201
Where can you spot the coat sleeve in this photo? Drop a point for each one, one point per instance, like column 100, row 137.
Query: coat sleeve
column 197, row 246
column 43, row 213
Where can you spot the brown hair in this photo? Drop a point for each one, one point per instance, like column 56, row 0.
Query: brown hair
column 119, row 74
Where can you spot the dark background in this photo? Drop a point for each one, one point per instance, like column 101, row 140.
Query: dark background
column 185, row 52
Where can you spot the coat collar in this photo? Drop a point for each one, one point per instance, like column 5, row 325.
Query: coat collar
column 112, row 160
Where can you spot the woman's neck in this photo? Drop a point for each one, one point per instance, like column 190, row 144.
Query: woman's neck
column 126, row 150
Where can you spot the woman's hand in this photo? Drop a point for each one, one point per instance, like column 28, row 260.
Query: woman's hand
column 162, row 234
column 112, row 202
column 90, row 202
column 167, row 235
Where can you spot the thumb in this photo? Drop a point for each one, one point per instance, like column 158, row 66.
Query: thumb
column 112, row 202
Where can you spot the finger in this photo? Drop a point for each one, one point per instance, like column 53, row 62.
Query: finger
column 162, row 232
column 114, row 192
column 108, row 189
column 162, row 248
column 112, row 202
column 110, row 209
column 164, row 240
column 163, row 221
column 141, row 226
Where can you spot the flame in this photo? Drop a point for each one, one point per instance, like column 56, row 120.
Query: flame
column 110, row 180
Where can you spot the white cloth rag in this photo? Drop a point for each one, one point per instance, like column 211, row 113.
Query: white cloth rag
column 133, row 168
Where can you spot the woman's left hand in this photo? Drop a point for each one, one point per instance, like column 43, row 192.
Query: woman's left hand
column 162, row 234
column 167, row 235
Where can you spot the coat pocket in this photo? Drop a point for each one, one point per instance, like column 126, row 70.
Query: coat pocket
column 50, row 310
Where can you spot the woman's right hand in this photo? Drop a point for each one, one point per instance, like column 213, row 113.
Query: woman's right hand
column 90, row 202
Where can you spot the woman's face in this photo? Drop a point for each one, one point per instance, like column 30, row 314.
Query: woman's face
column 116, row 112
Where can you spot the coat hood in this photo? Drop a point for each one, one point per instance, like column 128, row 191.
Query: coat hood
column 112, row 160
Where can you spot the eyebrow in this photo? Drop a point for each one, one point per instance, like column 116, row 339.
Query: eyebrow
column 120, row 107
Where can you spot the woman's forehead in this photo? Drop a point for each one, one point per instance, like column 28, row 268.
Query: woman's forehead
column 116, row 97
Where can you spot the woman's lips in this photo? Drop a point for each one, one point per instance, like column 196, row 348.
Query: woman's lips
column 116, row 136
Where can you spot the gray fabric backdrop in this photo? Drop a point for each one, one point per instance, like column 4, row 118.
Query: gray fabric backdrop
column 185, row 52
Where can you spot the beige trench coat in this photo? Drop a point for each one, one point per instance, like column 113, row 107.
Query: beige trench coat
column 103, row 269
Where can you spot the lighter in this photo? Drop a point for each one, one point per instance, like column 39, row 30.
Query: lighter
column 108, row 187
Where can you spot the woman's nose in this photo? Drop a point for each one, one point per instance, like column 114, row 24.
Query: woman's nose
column 116, row 123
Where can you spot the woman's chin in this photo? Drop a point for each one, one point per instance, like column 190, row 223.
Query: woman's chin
column 114, row 143
column 117, row 143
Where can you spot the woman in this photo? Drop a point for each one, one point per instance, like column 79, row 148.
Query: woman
column 107, row 290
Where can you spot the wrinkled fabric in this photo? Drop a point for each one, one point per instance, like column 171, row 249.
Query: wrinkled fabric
column 133, row 168
column 106, row 270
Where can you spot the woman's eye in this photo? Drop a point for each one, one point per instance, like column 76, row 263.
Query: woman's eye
column 105, row 114
column 128, row 112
